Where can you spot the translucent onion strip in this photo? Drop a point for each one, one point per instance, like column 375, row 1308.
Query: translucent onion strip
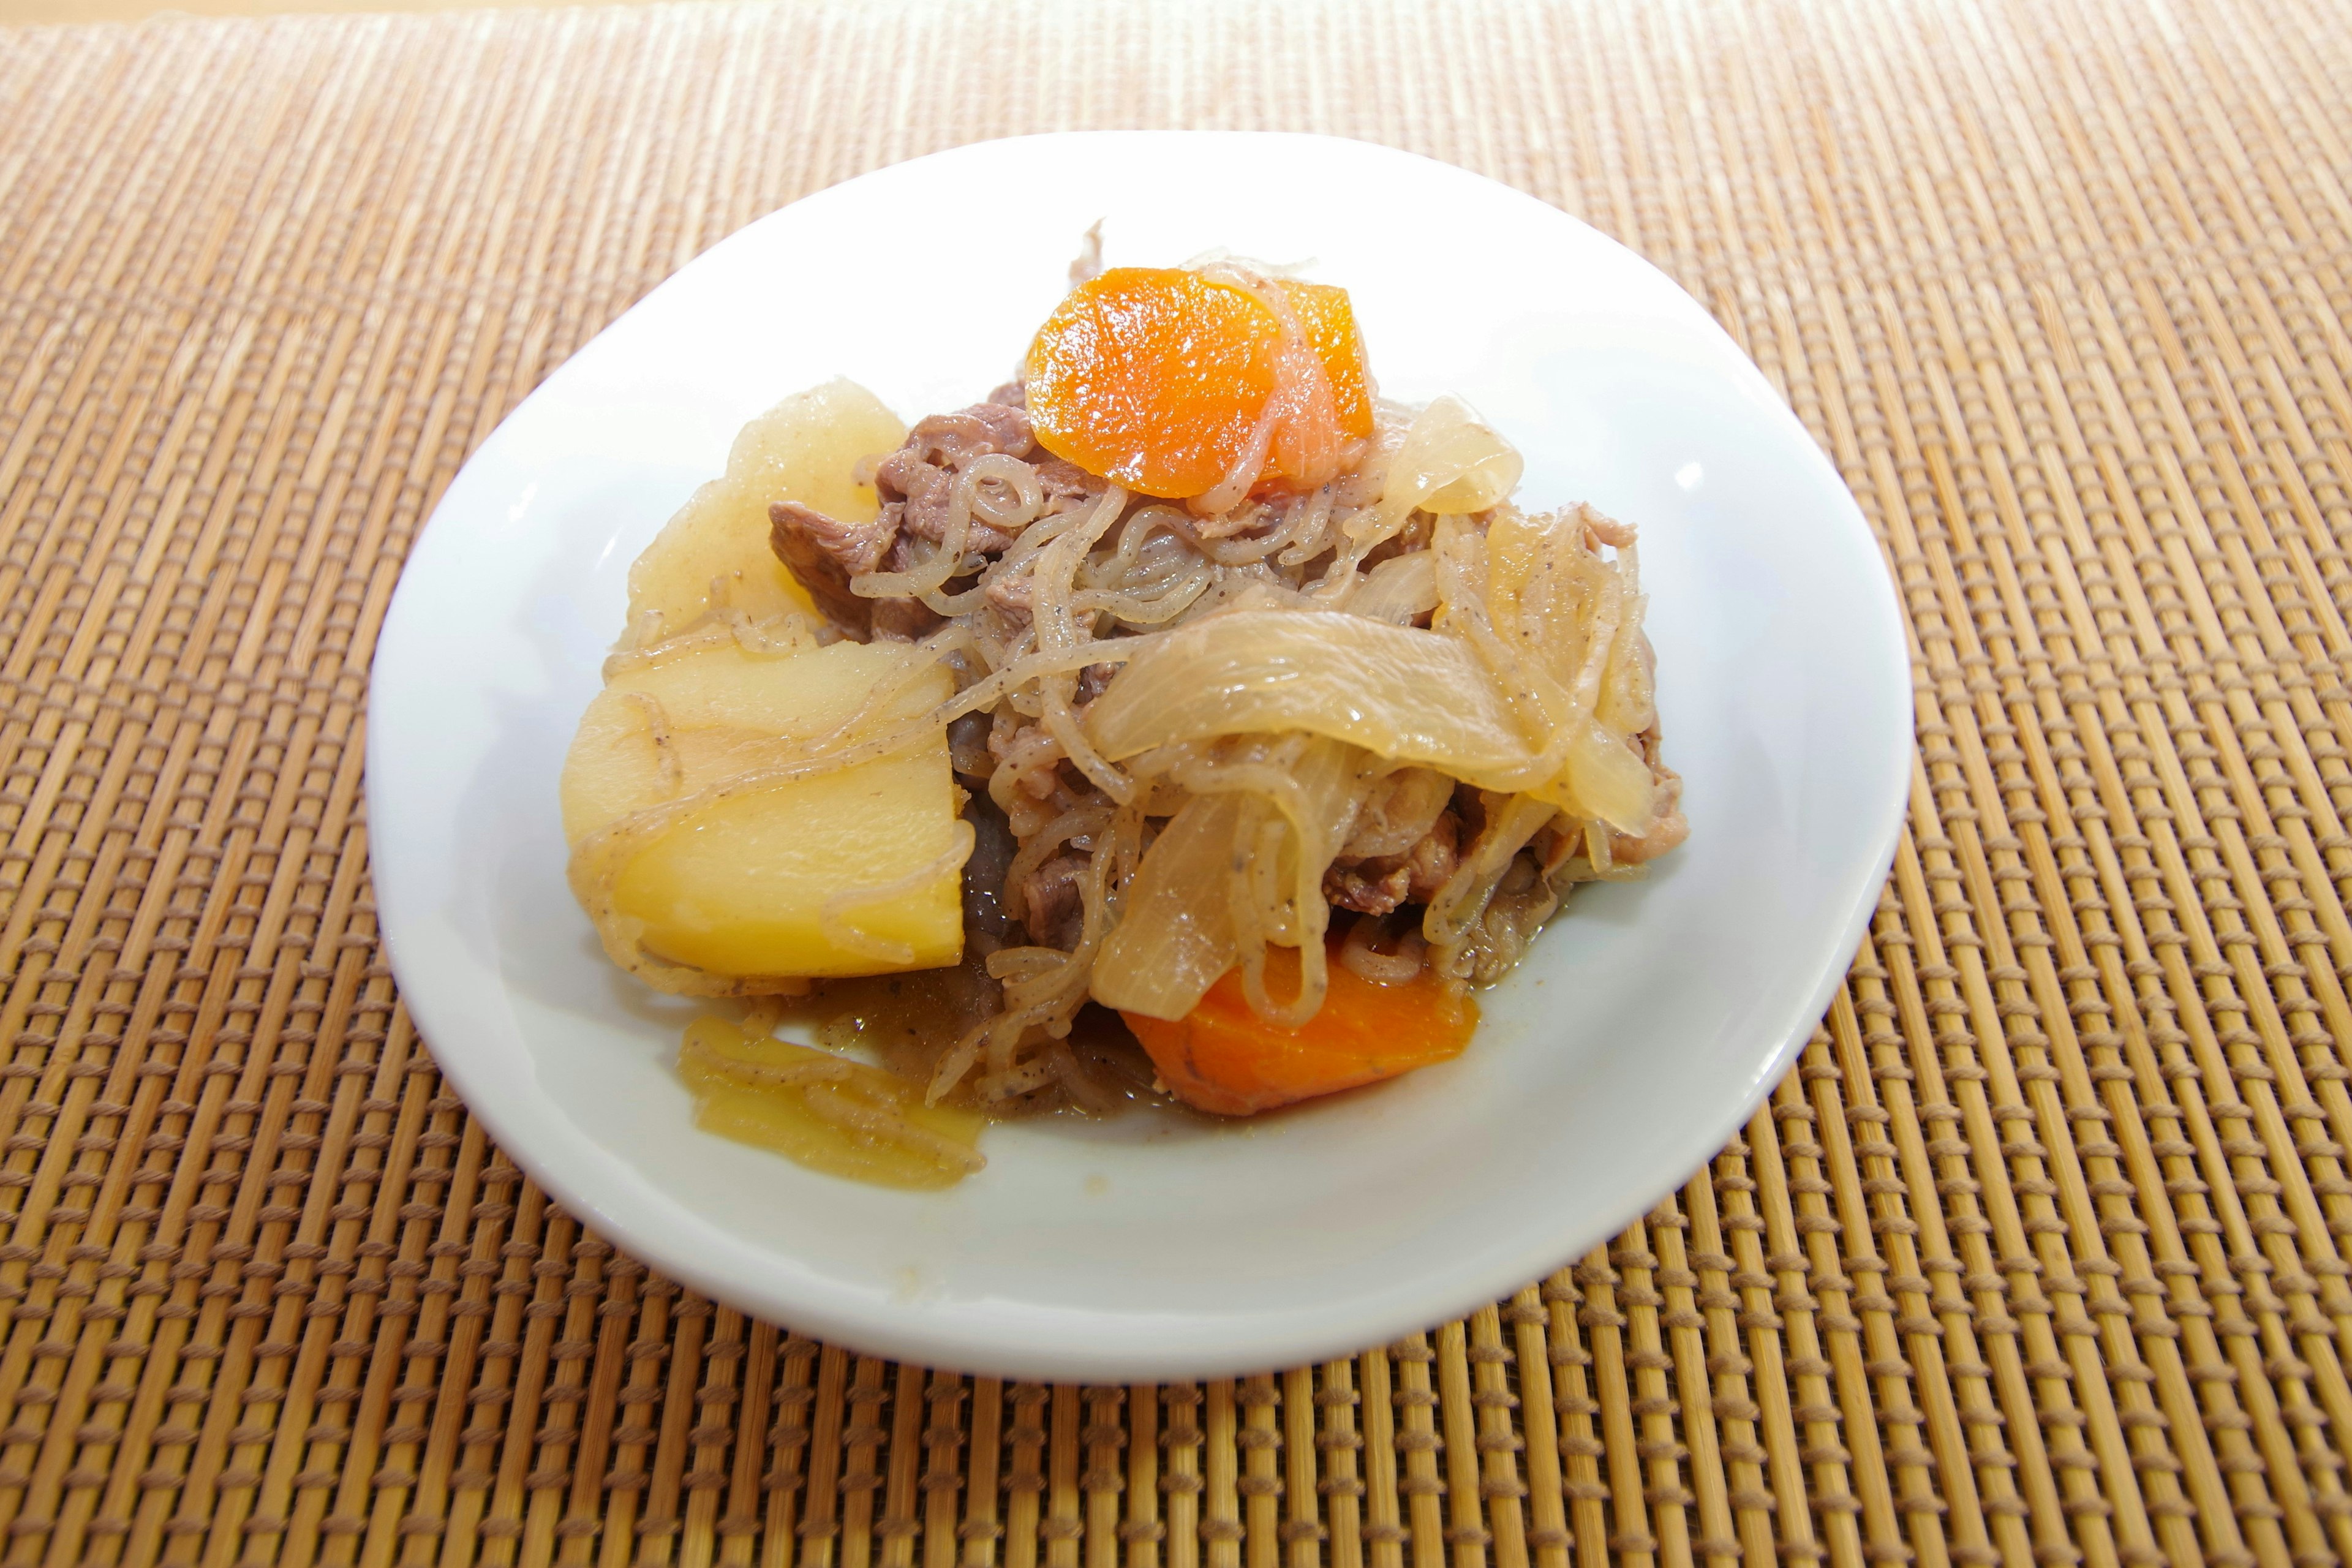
column 1174, row 938
column 1451, row 462
column 1406, row 694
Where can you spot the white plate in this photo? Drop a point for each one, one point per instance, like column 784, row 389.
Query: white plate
column 1641, row 1032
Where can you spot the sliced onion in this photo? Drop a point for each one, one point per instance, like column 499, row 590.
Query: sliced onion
column 1404, row 695
column 1175, row 934
column 1407, row 695
column 1451, row 462
column 1397, row 590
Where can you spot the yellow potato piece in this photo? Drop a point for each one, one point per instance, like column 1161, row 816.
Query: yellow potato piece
column 779, row 1117
column 741, row 887
column 802, row 450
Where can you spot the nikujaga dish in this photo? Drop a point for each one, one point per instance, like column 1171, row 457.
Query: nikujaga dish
column 1181, row 721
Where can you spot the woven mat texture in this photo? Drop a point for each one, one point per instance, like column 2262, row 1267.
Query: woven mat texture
column 2040, row 1255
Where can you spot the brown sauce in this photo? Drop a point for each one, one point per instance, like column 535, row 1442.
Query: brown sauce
column 908, row 1022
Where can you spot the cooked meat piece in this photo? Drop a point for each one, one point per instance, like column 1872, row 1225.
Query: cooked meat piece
column 1066, row 485
column 854, row 548
column 903, row 620
column 1600, row 531
column 1092, row 680
column 1030, row 750
column 1008, row 731
column 1647, row 741
column 1246, row 518
column 953, row 440
column 1377, row 884
column 918, row 496
column 823, row 554
column 917, row 482
column 1431, row 861
column 1011, row 394
column 1669, row 828
column 1050, row 904
column 906, row 475
column 1349, row 887
column 1399, row 812
column 1016, row 596
column 987, row 927
column 1008, row 424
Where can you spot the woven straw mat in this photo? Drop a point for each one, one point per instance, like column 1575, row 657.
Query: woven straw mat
column 2039, row 1257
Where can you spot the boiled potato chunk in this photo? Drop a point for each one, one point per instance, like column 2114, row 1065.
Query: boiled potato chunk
column 740, row 887
column 802, row 450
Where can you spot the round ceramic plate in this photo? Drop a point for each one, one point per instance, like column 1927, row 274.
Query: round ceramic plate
column 1639, row 1034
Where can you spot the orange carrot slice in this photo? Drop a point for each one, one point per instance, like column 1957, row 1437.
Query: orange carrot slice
column 1153, row 377
column 1329, row 318
column 1222, row 1057
column 1157, row 378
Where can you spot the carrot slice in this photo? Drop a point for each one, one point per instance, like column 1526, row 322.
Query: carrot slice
column 1153, row 377
column 1329, row 318
column 1222, row 1057
column 1157, row 377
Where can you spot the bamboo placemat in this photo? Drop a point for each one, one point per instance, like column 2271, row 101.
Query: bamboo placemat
column 2037, row 1257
